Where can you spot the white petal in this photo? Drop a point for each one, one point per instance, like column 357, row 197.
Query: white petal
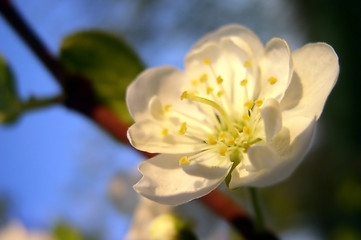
column 293, row 94
column 165, row 82
column 236, row 58
column 239, row 34
column 296, row 125
column 281, row 141
column 263, row 157
column 272, row 118
column 317, row 68
column 219, row 65
column 276, row 63
column 164, row 181
column 209, row 165
column 281, row 166
column 147, row 136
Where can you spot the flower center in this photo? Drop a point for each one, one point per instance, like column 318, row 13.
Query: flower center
column 232, row 134
column 235, row 129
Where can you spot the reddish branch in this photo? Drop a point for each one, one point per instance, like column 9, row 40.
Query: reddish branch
column 79, row 96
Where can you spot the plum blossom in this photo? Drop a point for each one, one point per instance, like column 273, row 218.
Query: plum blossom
column 240, row 112
column 16, row 231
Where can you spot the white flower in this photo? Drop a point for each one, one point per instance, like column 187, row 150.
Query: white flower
column 16, row 231
column 154, row 221
column 240, row 112
column 143, row 216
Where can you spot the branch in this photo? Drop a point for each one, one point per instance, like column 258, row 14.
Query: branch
column 31, row 39
column 79, row 96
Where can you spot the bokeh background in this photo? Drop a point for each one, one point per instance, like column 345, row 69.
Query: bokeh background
column 57, row 167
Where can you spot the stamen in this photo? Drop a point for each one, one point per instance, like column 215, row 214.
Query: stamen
column 247, row 130
column 211, row 140
column 207, row 61
column 247, row 64
column 249, row 104
column 215, row 105
column 219, row 80
column 194, row 82
column 246, row 117
column 209, row 90
column 167, row 108
column 184, row 161
column 221, row 136
column 259, row 103
column 203, row 78
column 230, row 141
column 220, row 93
column 183, row 128
column 272, row 80
column 222, row 150
column 165, row 132
column 244, row 82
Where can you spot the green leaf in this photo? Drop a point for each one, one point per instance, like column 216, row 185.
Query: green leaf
column 63, row 231
column 107, row 61
column 10, row 105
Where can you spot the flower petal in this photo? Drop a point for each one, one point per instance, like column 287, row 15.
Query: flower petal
column 159, row 81
column 281, row 165
column 218, row 65
column 143, row 215
column 317, row 68
column 276, row 69
column 236, row 59
column 209, row 165
column 272, row 118
column 164, row 181
column 150, row 136
column 241, row 35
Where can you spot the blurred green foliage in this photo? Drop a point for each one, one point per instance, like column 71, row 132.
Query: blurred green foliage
column 63, row 231
column 10, row 106
column 107, row 61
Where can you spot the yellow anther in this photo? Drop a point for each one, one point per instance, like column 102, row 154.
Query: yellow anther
column 211, row 140
column 220, row 93
column 209, row 90
column 222, row 150
column 184, row 95
column 194, row 82
column 207, row 61
column 247, row 130
column 219, row 80
column 272, row 80
column 230, row 141
column 247, row 64
column 165, row 132
column 249, row 104
column 259, row 103
column 222, row 136
column 203, row 78
column 167, row 108
column 183, row 128
column 184, row 161
column 246, row 117
column 243, row 82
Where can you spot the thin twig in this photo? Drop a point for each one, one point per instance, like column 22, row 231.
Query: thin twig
column 31, row 39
